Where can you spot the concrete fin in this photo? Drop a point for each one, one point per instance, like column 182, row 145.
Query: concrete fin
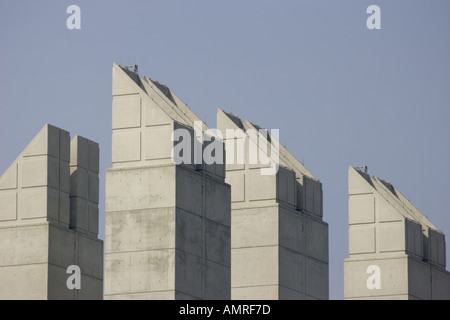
column 361, row 182
column 144, row 119
column 35, row 218
column 155, row 93
column 84, row 185
column 39, row 178
column 228, row 120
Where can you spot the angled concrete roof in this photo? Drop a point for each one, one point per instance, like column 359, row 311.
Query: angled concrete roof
column 126, row 82
column 286, row 158
column 361, row 182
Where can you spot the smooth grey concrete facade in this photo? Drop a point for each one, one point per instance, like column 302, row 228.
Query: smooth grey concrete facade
column 279, row 242
column 167, row 225
column 49, row 219
column 387, row 232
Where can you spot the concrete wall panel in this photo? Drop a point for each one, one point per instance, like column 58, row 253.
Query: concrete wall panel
column 140, row 188
column 218, row 203
column 218, row 281
column 24, row 245
column 217, row 237
column 262, row 187
column 291, row 230
column 32, row 203
column 441, row 284
column 287, row 186
column 392, row 237
column 361, row 239
column 90, row 256
column 254, row 266
column 393, row 276
column 139, row 272
column 141, row 230
column 237, row 182
column 24, row 282
column 79, row 217
column 189, row 191
column 291, row 266
column 316, row 279
column 361, row 209
column 34, row 171
column 312, row 197
column 93, row 219
column 437, row 247
column 414, row 240
column 189, row 232
column 8, row 203
column 91, row 289
column 57, row 284
column 189, row 274
column 61, row 247
column 419, row 284
column 126, row 145
column 158, row 142
column 126, row 112
column 316, row 239
column 254, row 227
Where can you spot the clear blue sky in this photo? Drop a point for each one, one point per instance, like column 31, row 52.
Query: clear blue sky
column 339, row 93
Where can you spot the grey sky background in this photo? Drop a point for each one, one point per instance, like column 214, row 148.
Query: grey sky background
column 339, row 93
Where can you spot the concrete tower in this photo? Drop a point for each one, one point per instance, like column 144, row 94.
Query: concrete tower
column 279, row 242
column 167, row 224
column 395, row 252
column 49, row 219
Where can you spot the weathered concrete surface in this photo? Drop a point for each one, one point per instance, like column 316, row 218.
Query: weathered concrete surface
column 387, row 231
column 279, row 242
column 167, row 225
column 37, row 242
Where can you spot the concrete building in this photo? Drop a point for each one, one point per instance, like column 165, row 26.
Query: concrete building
column 279, row 242
column 49, row 219
column 167, row 224
column 395, row 252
